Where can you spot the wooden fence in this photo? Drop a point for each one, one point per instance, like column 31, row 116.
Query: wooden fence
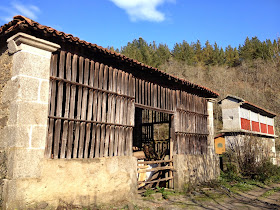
column 91, row 112
column 162, row 173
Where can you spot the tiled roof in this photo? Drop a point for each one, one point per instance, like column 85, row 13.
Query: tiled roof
column 20, row 22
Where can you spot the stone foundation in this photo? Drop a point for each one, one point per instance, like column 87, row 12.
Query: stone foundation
column 194, row 169
column 76, row 182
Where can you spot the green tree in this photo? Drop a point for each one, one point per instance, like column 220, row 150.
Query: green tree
column 231, row 56
column 208, row 54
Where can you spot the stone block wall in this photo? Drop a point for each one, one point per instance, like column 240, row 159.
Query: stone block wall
column 194, row 169
column 78, row 183
column 5, row 77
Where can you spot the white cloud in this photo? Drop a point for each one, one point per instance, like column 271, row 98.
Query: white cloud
column 28, row 11
column 17, row 8
column 142, row 9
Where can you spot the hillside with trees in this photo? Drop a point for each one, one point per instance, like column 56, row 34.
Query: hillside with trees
column 251, row 71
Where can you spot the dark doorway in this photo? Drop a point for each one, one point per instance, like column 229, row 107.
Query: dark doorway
column 151, row 145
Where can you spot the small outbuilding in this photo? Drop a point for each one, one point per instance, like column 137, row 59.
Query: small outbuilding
column 242, row 119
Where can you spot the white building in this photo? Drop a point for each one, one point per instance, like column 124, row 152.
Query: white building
column 242, row 118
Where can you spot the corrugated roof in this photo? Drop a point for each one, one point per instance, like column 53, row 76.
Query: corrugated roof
column 20, row 23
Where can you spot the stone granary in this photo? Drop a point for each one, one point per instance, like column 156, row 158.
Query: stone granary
column 242, row 119
column 74, row 118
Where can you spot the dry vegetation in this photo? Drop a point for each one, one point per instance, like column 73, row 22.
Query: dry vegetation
column 256, row 82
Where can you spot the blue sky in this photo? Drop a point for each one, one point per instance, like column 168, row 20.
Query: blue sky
column 116, row 22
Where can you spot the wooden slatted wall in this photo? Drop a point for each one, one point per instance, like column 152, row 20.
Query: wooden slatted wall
column 190, row 124
column 190, row 114
column 152, row 96
column 91, row 109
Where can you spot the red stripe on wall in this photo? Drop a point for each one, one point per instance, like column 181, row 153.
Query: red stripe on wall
column 245, row 124
column 270, row 129
column 263, row 128
column 255, row 126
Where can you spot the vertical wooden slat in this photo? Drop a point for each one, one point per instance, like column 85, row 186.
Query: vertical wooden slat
column 102, row 140
column 99, row 97
column 79, row 104
column 139, row 91
column 93, row 140
column 114, row 89
column 110, row 97
column 159, row 97
column 155, row 96
column 125, row 100
column 107, row 138
column 104, row 98
column 49, row 142
column 67, row 104
column 118, row 98
column 121, row 142
column 72, row 107
column 143, row 91
column 149, row 94
column 112, row 141
column 110, row 111
column 116, row 145
column 132, row 110
column 57, row 133
column 89, row 113
column 97, row 141
column 84, row 105
column 164, row 98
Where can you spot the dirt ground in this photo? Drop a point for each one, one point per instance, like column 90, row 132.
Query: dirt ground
column 258, row 198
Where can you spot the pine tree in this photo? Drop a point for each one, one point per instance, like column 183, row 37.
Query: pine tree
column 207, row 54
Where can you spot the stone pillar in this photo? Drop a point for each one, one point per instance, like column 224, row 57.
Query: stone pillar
column 27, row 92
column 210, row 127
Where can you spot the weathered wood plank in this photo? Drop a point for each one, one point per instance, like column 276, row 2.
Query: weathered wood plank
column 57, row 134
column 122, row 98
column 72, row 107
column 143, row 92
column 104, row 98
column 102, row 141
column 132, row 112
column 83, row 64
column 79, row 108
column 100, row 83
column 110, row 96
column 137, row 91
column 107, row 138
column 126, row 100
column 67, row 105
column 97, row 142
column 152, row 95
column 93, row 141
column 116, row 143
column 112, row 141
column 149, row 94
column 155, row 96
column 159, row 97
column 121, row 142
column 49, row 142
column 129, row 141
column 89, row 112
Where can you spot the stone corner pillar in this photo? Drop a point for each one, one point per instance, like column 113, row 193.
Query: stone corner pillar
column 210, row 126
column 27, row 93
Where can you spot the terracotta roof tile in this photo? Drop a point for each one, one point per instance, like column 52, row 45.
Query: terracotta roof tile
column 20, row 22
